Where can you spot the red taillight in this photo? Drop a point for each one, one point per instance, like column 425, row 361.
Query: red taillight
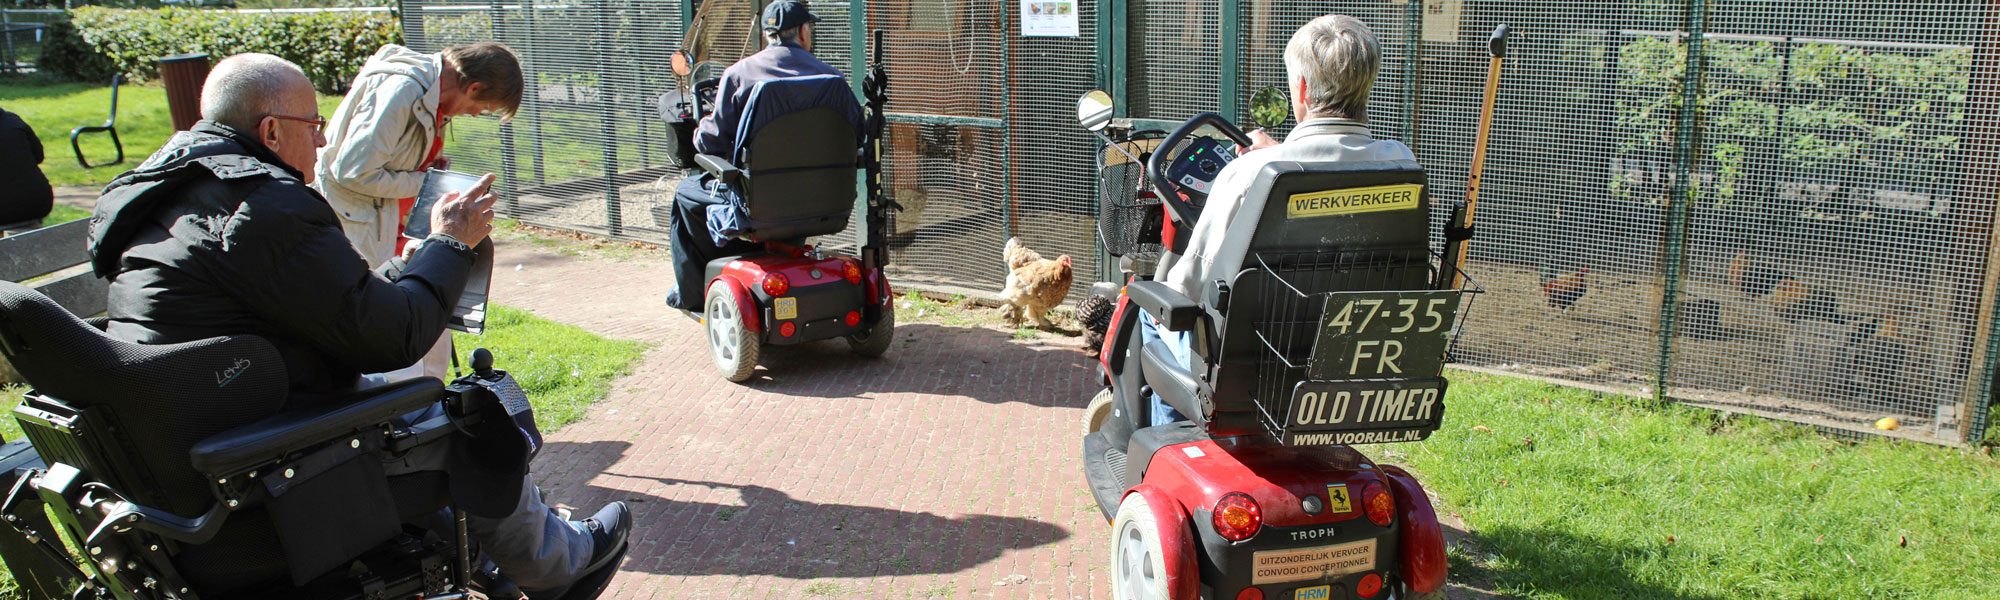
column 852, row 271
column 1237, row 517
column 853, row 318
column 1371, row 584
column 776, row 284
column 1250, row 593
column 1380, row 505
column 788, row 329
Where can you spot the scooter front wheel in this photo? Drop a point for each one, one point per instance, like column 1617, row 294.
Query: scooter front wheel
column 1097, row 412
column 730, row 342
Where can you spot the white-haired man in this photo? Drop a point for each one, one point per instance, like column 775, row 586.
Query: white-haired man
column 218, row 234
column 1330, row 67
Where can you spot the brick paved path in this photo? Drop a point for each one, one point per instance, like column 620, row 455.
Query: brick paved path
column 947, row 469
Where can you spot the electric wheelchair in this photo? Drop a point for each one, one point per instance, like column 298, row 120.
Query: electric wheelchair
column 793, row 177
column 1332, row 332
column 177, row 471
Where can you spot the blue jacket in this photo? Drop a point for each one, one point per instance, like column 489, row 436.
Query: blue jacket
column 723, row 129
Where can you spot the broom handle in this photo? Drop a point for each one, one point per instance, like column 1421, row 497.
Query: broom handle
column 1497, row 47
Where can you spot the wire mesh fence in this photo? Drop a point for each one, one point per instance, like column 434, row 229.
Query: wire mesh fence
column 1766, row 207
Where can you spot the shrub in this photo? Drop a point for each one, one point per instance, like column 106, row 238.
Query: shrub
column 330, row 47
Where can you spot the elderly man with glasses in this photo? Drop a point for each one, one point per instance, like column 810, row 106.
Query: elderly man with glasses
column 219, row 234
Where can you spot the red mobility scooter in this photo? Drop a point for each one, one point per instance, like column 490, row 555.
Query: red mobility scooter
column 1333, row 332
column 793, row 178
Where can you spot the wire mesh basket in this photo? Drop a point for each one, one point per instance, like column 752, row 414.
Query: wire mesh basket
column 1353, row 343
column 1129, row 216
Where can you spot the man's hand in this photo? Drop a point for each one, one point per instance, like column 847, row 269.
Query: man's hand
column 1259, row 141
column 467, row 215
column 442, row 162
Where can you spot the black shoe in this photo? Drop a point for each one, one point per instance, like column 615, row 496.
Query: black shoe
column 608, row 529
column 674, row 299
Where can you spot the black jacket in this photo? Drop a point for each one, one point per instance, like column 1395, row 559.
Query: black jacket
column 215, row 235
column 25, row 194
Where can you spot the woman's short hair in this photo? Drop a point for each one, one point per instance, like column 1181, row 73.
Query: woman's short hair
column 1338, row 56
column 493, row 64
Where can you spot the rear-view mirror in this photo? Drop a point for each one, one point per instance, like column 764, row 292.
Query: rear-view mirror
column 1093, row 110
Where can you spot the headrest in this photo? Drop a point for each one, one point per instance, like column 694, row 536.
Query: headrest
column 776, row 98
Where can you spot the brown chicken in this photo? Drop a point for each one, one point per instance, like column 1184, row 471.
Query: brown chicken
column 1562, row 292
column 1035, row 285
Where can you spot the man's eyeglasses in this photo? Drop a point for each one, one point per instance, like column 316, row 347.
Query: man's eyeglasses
column 319, row 124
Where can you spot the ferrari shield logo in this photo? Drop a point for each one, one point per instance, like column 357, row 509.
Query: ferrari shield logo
column 1337, row 500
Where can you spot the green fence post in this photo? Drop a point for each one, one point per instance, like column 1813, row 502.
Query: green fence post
column 1117, row 50
column 613, row 221
column 1229, row 92
column 1687, row 139
column 1007, row 115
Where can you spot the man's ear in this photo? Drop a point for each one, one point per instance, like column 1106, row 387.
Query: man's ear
column 1299, row 95
column 267, row 132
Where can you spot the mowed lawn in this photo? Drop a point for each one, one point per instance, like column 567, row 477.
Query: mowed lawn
column 53, row 109
column 1574, row 494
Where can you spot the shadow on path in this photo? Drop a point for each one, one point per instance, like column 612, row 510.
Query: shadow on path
column 696, row 528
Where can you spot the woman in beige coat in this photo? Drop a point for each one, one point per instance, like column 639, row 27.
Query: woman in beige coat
column 390, row 129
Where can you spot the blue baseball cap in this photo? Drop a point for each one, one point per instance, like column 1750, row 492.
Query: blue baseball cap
column 786, row 14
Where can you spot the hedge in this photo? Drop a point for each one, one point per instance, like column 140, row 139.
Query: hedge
column 331, row 47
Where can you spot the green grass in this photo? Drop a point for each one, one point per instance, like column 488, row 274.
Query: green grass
column 64, row 213
column 563, row 368
column 1572, row 494
column 53, row 109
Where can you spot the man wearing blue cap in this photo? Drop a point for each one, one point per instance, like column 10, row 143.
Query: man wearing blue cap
column 788, row 28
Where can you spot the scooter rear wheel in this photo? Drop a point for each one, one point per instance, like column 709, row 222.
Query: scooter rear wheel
column 733, row 346
column 1138, row 561
column 875, row 341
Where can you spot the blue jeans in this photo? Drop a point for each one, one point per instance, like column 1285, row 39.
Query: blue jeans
column 1178, row 343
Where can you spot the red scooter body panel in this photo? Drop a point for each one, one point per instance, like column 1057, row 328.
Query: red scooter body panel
column 1199, row 474
column 1176, row 537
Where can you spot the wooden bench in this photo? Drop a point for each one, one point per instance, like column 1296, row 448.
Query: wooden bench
column 50, row 250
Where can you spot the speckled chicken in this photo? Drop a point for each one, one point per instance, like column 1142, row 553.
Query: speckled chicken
column 1094, row 314
column 1035, row 285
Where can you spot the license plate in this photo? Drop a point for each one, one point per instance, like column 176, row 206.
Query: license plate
column 1318, row 592
column 1303, row 564
column 1364, row 412
column 787, row 308
column 1384, row 335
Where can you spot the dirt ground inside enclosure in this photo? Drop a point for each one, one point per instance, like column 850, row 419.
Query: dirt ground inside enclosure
column 1746, row 359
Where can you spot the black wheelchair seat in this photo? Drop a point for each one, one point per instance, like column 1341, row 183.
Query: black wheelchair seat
column 794, row 171
column 1299, row 248
column 195, row 478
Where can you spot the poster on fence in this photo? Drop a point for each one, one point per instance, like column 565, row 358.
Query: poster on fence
column 1049, row 18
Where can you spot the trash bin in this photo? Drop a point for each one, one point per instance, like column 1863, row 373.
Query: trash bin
column 183, row 75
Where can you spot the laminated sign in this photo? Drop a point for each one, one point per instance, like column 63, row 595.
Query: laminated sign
column 1049, row 18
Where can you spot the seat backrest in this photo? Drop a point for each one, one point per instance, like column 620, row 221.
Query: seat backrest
column 1325, row 227
column 51, row 249
column 164, row 398
column 800, row 162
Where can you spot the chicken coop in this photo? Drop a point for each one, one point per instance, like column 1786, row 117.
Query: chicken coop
column 1761, row 206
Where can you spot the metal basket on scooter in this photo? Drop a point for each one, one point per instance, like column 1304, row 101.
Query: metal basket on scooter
column 1129, row 217
column 1354, row 342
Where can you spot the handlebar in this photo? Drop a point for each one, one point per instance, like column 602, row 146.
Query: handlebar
column 1170, row 192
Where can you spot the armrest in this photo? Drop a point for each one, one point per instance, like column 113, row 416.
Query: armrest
column 1169, row 307
column 719, row 167
column 1171, row 380
column 271, row 439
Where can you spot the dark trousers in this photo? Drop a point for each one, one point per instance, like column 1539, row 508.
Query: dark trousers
column 693, row 247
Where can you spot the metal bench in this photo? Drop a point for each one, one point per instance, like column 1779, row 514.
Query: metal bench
column 50, row 250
